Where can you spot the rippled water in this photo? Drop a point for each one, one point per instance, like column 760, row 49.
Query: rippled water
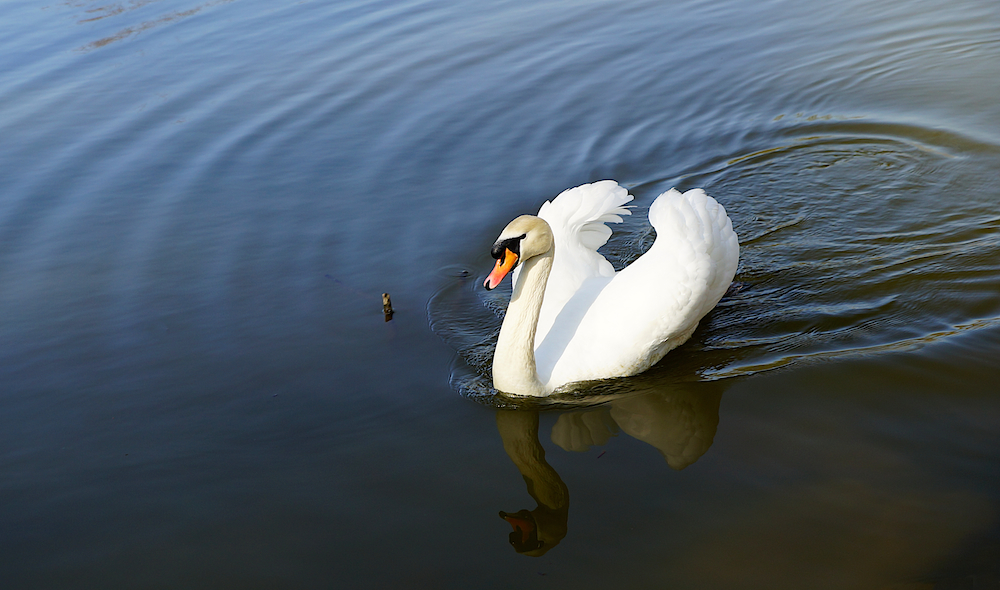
column 202, row 202
column 839, row 253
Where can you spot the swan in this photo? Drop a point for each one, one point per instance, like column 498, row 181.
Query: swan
column 572, row 318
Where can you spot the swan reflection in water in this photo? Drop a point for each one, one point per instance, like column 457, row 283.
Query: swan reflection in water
column 535, row 531
column 679, row 420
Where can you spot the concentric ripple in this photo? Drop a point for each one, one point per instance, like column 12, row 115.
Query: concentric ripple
column 858, row 238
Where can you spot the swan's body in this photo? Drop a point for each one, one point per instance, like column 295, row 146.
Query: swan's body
column 573, row 318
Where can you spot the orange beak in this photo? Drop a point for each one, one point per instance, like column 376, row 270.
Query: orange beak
column 503, row 266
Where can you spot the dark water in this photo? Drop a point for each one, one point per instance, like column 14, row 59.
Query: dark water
column 201, row 204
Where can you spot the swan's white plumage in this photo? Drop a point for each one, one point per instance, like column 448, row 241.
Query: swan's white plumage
column 577, row 217
column 594, row 323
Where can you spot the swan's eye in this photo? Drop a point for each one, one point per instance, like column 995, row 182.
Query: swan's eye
column 513, row 244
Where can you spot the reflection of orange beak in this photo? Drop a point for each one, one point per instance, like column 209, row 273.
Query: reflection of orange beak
column 521, row 525
column 504, row 266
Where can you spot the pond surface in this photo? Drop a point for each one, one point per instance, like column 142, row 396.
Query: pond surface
column 202, row 202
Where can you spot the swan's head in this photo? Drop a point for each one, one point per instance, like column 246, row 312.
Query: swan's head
column 525, row 237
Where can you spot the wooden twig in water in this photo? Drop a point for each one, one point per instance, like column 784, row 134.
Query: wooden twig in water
column 387, row 307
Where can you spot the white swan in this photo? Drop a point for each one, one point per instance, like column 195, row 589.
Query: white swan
column 573, row 318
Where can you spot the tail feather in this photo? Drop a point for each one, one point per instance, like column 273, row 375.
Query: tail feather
column 696, row 219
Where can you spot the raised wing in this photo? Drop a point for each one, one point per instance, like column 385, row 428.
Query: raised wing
column 577, row 218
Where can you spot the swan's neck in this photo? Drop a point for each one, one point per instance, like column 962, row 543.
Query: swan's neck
column 514, row 368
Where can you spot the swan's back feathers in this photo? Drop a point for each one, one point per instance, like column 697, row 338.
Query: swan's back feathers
column 697, row 221
column 624, row 324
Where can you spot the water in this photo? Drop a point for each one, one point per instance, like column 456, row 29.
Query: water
column 202, row 203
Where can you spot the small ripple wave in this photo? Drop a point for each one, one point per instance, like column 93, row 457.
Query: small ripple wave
column 858, row 238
